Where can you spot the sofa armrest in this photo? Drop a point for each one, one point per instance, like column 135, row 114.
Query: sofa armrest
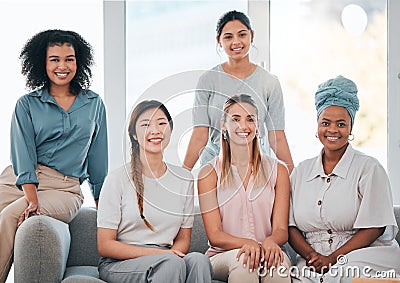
column 41, row 250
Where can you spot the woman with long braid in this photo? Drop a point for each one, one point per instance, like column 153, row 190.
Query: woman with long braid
column 145, row 214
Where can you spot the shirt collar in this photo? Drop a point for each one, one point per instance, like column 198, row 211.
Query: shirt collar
column 341, row 169
column 82, row 98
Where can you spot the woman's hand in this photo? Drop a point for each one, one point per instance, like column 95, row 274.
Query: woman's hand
column 271, row 254
column 176, row 252
column 321, row 263
column 32, row 209
column 252, row 253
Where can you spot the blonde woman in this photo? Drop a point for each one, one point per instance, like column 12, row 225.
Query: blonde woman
column 244, row 200
column 145, row 214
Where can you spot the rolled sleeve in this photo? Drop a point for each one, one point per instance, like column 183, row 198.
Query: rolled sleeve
column 23, row 148
column 26, row 178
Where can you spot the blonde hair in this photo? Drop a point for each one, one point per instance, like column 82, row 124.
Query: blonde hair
column 136, row 164
column 259, row 170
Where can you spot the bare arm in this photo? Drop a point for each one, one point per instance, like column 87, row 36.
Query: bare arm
column 280, row 146
column 33, row 202
column 272, row 252
column 182, row 241
column 108, row 246
column 299, row 244
column 197, row 142
column 363, row 238
column 207, row 184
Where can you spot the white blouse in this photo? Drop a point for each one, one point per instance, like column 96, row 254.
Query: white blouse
column 329, row 209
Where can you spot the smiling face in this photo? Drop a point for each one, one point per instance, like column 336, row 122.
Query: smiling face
column 334, row 128
column 241, row 123
column 60, row 64
column 153, row 131
column 236, row 39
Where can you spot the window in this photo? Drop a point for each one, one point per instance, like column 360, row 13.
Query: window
column 166, row 38
column 318, row 40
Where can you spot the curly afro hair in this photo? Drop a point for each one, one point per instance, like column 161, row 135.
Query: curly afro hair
column 33, row 59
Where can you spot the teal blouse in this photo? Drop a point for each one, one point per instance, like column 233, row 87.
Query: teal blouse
column 73, row 142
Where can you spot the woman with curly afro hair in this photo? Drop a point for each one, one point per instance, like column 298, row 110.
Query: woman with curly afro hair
column 58, row 137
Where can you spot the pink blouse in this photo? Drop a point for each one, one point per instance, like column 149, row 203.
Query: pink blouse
column 246, row 213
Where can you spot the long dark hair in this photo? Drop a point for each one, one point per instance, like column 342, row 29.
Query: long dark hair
column 33, row 59
column 136, row 164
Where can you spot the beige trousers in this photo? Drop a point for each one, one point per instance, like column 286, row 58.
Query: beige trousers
column 227, row 268
column 59, row 197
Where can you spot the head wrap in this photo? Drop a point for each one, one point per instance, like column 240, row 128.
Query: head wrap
column 339, row 91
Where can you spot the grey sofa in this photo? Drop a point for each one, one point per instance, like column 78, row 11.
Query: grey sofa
column 47, row 250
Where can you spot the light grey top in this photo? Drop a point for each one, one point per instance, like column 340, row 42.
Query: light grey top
column 215, row 87
column 355, row 195
column 168, row 206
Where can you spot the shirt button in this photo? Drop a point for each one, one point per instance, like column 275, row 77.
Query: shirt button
column 321, row 280
column 319, row 202
column 330, row 241
column 328, row 180
column 65, row 116
column 48, row 155
column 329, row 231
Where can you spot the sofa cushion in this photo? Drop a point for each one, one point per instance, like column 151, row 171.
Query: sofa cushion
column 82, row 274
column 83, row 229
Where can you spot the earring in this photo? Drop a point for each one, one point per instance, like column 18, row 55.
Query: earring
column 351, row 137
column 316, row 135
column 257, row 134
column 224, row 135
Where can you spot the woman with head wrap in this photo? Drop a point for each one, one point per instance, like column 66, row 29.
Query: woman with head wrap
column 341, row 220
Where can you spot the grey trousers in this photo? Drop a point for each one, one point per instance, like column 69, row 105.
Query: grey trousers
column 193, row 268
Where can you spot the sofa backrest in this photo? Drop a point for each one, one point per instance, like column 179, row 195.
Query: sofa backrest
column 199, row 240
column 397, row 214
column 83, row 250
column 83, row 230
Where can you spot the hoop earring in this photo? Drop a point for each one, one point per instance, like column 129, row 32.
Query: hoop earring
column 351, row 137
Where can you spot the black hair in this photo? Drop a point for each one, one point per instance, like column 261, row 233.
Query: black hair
column 33, row 59
column 136, row 165
column 231, row 16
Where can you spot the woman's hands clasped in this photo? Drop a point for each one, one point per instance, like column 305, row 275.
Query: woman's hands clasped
column 267, row 254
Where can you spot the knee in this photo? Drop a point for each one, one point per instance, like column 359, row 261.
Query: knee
column 242, row 274
column 174, row 262
column 8, row 214
column 197, row 258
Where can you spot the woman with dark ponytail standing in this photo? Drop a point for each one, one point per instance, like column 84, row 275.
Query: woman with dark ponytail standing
column 145, row 214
